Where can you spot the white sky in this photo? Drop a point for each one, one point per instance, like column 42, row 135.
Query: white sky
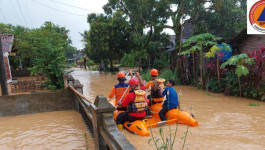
column 35, row 14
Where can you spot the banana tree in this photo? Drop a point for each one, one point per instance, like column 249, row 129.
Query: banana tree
column 196, row 44
column 239, row 61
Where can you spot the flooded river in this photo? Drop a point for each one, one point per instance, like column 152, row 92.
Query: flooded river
column 58, row 130
column 225, row 122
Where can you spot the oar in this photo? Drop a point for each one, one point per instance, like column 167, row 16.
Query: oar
column 123, row 95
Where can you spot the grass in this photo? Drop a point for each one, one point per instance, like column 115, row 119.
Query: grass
column 167, row 141
column 253, row 104
column 86, row 144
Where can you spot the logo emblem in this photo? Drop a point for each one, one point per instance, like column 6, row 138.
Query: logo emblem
column 257, row 16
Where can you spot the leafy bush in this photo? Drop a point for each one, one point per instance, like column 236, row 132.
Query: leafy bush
column 167, row 74
column 213, row 85
column 146, row 76
column 231, row 84
column 90, row 63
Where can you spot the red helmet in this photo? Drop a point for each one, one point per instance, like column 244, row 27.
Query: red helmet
column 121, row 74
column 154, row 72
column 134, row 81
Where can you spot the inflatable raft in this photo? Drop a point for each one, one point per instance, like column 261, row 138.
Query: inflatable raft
column 140, row 127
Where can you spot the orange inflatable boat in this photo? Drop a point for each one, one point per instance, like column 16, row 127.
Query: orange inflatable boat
column 173, row 116
column 140, row 127
column 137, row 127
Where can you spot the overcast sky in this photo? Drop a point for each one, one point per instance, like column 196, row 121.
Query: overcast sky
column 69, row 13
column 33, row 13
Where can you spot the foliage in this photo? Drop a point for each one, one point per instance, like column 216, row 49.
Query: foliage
column 212, row 85
column 86, row 140
column 162, row 62
column 167, row 74
column 215, row 50
column 107, row 38
column 253, row 104
column 239, row 61
column 146, row 76
column 252, row 92
column 198, row 42
column 223, row 18
column 90, row 63
column 44, row 48
column 131, row 59
column 231, row 84
column 166, row 142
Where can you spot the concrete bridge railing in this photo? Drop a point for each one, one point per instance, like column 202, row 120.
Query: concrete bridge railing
column 98, row 116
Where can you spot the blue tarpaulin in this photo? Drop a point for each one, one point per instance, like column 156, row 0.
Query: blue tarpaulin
column 227, row 53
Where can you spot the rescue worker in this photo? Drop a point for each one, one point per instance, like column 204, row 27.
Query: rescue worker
column 171, row 101
column 155, row 96
column 119, row 89
column 136, row 107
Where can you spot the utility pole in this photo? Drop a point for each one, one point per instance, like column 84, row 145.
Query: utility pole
column 2, row 71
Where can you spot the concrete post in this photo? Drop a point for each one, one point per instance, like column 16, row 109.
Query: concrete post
column 78, row 86
column 101, row 105
column 3, row 80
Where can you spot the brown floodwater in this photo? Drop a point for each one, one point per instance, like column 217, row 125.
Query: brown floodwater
column 225, row 122
column 58, row 130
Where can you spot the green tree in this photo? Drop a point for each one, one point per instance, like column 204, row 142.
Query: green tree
column 239, row 61
column 224, row 18
column 45, row 48
column 198, row 43
column 107, row 38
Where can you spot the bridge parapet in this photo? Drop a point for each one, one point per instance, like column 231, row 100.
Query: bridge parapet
column 98, row 116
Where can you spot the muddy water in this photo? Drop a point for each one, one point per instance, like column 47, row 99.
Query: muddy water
column 225, row 123
column 52, row 130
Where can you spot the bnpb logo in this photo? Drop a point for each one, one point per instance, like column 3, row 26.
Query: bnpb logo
column 257, row 16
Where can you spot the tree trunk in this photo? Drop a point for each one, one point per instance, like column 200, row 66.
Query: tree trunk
column 111, row 65
column 139, row 66
column 218, row 71
column 193, row 64
column 105, row 65
column 202, row 84
column 239, row 84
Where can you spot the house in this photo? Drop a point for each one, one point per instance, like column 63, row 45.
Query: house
column 186, row 34
column 244, row 43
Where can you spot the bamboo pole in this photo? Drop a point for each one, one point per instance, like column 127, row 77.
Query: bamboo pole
column 218, row 71
column 79, row 94
column 239, row 84
column 202, row 84
column 193, row 60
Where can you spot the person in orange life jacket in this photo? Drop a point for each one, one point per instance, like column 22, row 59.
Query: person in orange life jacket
column 155, row 92
column 171, row 101
column 119, row 89
column 133, row 112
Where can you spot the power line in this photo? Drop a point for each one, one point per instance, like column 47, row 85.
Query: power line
column 3, row 15
column 27, row 12
column 74, row 6
column 14, row 8
column 58, row 9
column 22, row 13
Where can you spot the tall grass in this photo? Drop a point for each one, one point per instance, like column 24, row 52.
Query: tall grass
column 167, row 141
column 86, row 140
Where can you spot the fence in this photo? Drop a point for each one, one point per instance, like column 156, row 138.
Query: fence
column 98, row 116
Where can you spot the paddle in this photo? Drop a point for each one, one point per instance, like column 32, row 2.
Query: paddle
column 123, row 95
